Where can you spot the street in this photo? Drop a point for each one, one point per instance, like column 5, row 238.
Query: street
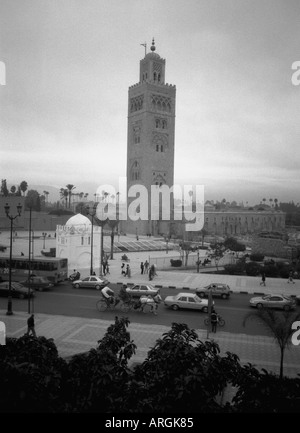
column 64, row 300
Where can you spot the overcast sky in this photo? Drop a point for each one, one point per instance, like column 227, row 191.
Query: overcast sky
column 69, row 63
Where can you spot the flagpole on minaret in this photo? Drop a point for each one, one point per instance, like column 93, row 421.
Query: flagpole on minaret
column 145, row 45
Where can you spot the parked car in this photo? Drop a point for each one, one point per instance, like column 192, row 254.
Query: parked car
column 217, row 289
column 190, row 301
column 90, row 282
column 142, row 289
column 273, row 301
column 38, row 283
column 17, row 290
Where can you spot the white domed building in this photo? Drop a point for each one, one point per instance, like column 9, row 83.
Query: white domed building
column 74, row 241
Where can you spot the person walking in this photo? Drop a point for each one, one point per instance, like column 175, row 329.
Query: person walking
column 142, row 268
column 263, row 279
column 150, row 274
column 128, row 271
column 213, row 320
column 123, row 269
column 146, row 265
column 290, row 279
column 31, row 326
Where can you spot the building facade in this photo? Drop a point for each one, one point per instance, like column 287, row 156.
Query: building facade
column 150, row 135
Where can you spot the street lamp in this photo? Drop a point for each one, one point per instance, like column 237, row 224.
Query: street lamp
column 11, row 217
column 92, row 214
column 44, row 236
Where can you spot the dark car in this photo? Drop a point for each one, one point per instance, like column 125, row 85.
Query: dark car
column 217, row 289
column 38, row 283
column 90, row 282
column 17, row 290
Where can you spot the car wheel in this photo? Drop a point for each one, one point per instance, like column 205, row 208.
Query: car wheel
column 205, row 309
column 97, row 287
column 21, row 296
column 175, row 307
column 77, row 286
column 200, row 294
column 259, row 306
column 40, row 289
column 286, row 308
column 224, row 296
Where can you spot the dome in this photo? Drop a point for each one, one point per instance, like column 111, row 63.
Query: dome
column 78, row 220
column 153, row 56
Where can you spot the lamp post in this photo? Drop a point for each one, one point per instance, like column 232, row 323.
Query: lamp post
column 92, row 214
column 44, row 236
column 11, row 217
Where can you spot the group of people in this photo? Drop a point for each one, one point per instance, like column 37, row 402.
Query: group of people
column 152, row 301
column 147, row 269
column 126, row 270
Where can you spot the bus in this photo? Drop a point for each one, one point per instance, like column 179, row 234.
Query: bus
column 53, row 268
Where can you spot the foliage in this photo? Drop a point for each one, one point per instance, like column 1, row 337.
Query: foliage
column 236, row 269
column 181, row 374
column 97, row 381
column 176, row 263
column 234, row 245
column 4, row 189
column 23, row 186
column 256, row 257
column 279, row 325
column 253, row 269
column 30, row 375
column 265, row 392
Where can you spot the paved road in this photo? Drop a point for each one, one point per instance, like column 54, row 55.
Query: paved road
column 64, row 300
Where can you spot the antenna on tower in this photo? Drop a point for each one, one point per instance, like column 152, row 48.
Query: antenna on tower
column 145, row 45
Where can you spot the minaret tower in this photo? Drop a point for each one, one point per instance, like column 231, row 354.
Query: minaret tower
column 151, row 132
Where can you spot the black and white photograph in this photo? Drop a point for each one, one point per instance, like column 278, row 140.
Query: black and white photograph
column 149, row 209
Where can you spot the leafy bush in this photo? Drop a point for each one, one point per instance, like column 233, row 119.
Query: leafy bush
column 253, row 269
column 176, row 263
column 236, row 269
column 256, row 257
column 271, row 271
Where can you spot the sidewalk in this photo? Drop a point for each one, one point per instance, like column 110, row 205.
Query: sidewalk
column 75, row 335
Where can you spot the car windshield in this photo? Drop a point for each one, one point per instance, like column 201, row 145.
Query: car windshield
column 17, row 286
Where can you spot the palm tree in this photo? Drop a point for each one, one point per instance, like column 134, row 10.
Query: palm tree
column 276, row 201
column 24, row 186
column 64, row 193
column 13, row 190
column 86, row 195
column 264, row 200
column 270, row 200
column 279, row 325
column 70, row 188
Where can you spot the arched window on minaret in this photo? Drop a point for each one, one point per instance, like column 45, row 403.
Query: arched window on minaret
column 158, row 78
column 135, row 171
column 154, row 76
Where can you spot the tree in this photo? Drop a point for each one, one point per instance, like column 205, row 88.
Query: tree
column 13, row 190
column 233, row 245
column 32, row 200
column 70, row 188
column 31, row 375
column 181, row 374
column 279, row 325
column 4, row 189
column 217, row 252
column 64, row 194
column 24, row 186
column 186, row 249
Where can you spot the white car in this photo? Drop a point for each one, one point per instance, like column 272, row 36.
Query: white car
column 90, row 282
column 273, row 301
column 142, row 289
column 190, row 301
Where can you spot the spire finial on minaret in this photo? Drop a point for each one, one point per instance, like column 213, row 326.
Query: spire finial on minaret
column 153, row 46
